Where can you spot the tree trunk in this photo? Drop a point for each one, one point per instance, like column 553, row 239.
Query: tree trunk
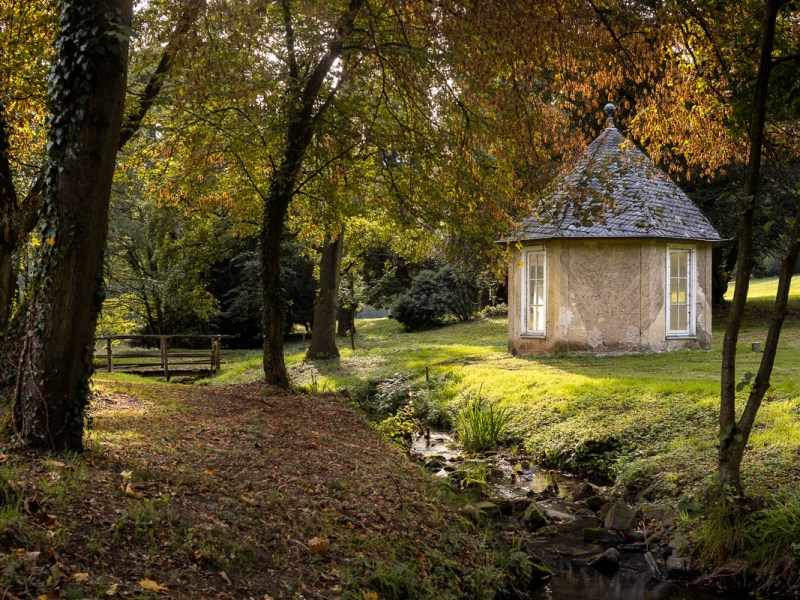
column 733, row 435
column 323, row 335
column 8, row 227
column 303, row 116
column 53, row 382
column 7, row 286
column 274, row 302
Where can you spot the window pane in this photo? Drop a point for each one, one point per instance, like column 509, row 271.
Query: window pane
column 674, row 312
column 679, row 290
column 535, row 300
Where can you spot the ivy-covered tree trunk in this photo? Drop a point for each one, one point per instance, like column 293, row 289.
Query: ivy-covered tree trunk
column 87, row 90
column 323, row 335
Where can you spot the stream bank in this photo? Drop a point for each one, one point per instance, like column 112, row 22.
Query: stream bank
column 594, row 544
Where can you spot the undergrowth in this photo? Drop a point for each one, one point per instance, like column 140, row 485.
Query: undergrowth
column 480, row 424
column 753, row 543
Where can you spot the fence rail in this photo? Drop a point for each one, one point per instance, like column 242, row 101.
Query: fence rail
column 163, row 360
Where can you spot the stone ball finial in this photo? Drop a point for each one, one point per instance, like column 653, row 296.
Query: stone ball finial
column 611, row 113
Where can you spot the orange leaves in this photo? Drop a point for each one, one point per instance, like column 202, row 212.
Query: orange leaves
column 152, row 586
column 318, row 545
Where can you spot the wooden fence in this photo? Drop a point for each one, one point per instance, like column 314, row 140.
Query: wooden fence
column 167, row 358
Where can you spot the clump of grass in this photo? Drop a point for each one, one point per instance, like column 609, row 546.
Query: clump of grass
column 759, row 543
column 480, row 423
column 773, row 538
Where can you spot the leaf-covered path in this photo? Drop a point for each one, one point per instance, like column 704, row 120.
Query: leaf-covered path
column 236, row 492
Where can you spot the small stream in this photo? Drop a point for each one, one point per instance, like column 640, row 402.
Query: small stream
column 561, row 544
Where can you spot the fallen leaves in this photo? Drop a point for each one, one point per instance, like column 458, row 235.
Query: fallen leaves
column 152, row 586
column 249, row 499
column 318, row 545
column 318, row 504
column 130, row 491
column 58, row 464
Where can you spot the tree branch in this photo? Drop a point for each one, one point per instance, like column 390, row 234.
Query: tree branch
column 133, row 120
column 290, row 40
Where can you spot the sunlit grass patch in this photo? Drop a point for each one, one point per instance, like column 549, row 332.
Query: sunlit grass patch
column 240, row 367
column 764, row 289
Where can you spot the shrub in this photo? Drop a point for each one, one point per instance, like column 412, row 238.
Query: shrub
column 480, row 424
column 381, row 398
column 773, row 538
column 393, row 393
column 422, row 305
column 400, row 428
column 495, row 312
column 459, row 292
column 435, row 294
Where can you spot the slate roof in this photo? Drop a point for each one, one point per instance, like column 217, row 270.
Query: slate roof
column 615, row 191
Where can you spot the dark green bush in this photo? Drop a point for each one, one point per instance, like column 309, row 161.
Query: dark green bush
column 423, row 305
column 458, row 291
column 435, row 294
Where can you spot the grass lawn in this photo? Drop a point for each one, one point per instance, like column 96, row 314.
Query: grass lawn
column 645, row 421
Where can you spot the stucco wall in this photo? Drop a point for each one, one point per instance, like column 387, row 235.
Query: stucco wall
column 607, row 296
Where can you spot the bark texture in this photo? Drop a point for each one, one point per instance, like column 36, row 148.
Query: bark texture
column 323, row 334
column 52, row 384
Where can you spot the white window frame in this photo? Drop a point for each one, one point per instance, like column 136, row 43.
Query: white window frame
column 691, row 289
column 526, row 257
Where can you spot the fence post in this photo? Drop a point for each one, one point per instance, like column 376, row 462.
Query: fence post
column 110, row 355
column 217, row 360
column 164, row 357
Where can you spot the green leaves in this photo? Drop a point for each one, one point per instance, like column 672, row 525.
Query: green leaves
column 746, row 380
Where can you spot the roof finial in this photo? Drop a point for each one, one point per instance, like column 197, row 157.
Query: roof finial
column 611, row 112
